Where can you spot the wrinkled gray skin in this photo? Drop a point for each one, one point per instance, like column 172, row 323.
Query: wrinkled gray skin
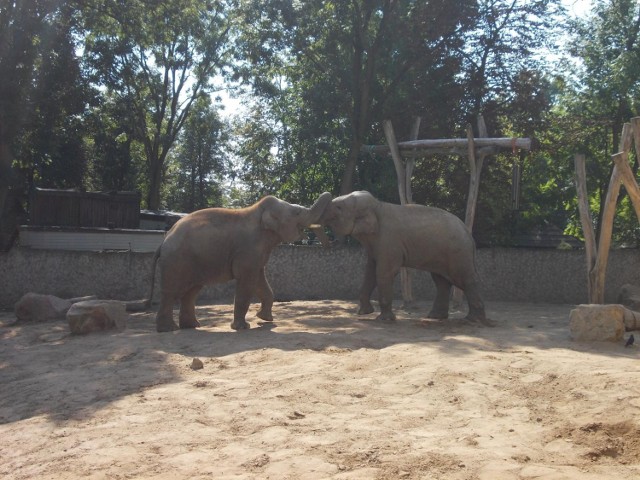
column 414, row 236
column 216, row 245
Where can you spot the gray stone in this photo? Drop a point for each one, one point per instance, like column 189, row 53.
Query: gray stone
column 34, row 307
column 597, row 323
column 97, row 315
column 629, row 296
column 631, row 319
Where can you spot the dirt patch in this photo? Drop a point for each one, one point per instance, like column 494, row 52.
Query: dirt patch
column 320, row 393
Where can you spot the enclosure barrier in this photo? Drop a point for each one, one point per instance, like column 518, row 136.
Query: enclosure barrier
column 311, row 272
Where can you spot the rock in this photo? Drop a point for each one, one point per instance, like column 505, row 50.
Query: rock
column 597, row 323
column 137, row 306
column 34, row 307
column 97, row 315
column 631, row 319
column 629, row 296
column 197, row 364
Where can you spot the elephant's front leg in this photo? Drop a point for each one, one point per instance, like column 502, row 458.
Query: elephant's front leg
column 385, row 275
column 368, row 285
column 188, row 308
column 265, row 294
column 440, row 309
column 245, row 286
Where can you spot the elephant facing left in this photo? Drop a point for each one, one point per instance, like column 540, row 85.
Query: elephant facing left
column 215, row 245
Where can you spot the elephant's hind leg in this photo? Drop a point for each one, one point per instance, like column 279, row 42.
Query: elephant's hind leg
column 476, row 305
column 164, row 317
column 188, row 308
column 440, row 308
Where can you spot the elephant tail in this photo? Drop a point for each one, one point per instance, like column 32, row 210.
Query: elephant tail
column 156, row 256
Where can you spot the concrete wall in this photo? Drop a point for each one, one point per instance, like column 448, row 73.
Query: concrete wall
column 309, row 272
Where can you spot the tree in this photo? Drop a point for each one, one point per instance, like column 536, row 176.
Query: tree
column 601, row 93
column 349, row 59
column 27, row 32
column 162, row 56
column 200, row 161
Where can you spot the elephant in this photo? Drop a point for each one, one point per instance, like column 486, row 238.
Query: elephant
column 415, row 236
column 215, row 245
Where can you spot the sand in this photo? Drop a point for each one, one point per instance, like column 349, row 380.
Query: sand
column 320, row 393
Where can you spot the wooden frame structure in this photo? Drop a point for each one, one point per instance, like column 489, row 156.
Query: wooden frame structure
column 475, row 149
column 598, row 254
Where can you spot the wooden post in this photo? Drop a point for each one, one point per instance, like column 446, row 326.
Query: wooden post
column 397, row 160
column 599, row 271
column 475, row 170
column 585, row 219
column 404, row 180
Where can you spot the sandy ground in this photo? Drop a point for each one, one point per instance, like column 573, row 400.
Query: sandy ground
column 320, row 393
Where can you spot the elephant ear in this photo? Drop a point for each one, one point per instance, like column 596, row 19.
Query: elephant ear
column 365, row 224
column 269, row 221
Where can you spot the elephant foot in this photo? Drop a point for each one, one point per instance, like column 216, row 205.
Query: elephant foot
column 482, row 320
column 166, row 327
column 438, row 315
column 386, row 317
column 264, row 315
column 240, row 325
column 365, row 308
column 191, row 323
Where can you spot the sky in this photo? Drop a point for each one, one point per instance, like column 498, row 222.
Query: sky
column 577, row 7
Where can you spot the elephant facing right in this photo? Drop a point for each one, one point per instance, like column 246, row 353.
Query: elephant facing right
column 415, row 236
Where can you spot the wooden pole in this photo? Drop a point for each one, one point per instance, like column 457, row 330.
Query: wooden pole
column 454, row 143
column 390, row 135
column 585, row 219
column 401, row 173
column 599, row 271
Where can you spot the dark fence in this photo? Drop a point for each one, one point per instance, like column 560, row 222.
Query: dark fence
column 70, row 208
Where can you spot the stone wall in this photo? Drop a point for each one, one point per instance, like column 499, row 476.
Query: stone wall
column 309, row 272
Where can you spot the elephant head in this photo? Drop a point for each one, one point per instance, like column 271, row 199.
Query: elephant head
column 353, row 214
column 288, row 220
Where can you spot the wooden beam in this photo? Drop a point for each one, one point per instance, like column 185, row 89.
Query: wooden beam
column 461, row 143
column 628, row 180
column 390, row 135
column 585, row 219
column 599, row 271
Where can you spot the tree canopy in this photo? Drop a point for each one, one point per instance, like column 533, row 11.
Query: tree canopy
column 115, row 95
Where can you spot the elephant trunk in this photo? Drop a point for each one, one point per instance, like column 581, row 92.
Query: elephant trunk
column 317, row 209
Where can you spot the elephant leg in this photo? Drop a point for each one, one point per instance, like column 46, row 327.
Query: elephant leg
column 164, row 317
column 440, row 308
column 188, row 308
column 265, row 294
column 368, row 285
column 476, row 305
column 384, row 276
column 244, row 291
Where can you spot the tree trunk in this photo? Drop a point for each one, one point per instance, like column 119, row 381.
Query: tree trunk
column 350, row 167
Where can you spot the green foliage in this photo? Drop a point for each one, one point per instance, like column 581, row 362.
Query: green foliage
column 114, row 95
column 160, row 57
column 199, row 167
column 42, row 96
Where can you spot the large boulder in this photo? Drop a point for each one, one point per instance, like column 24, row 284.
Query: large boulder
column 629, row 296
column 631, row 319
column 597, row 323
column 97, row 315
column 35, row 307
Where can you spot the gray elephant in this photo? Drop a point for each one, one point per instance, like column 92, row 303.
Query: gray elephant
column 216, row 245
column 415, row 236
